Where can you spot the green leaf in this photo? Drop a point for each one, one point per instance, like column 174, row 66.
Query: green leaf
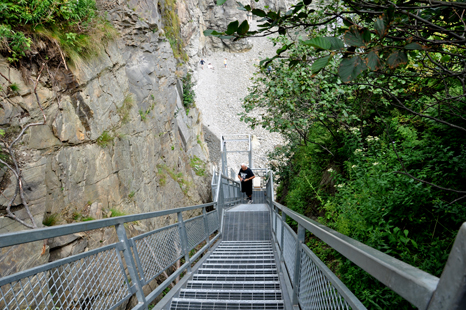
column 259, row 13
column 243, row 28
column 293, row 63
column 445, row 58
column 209, row 32
column 414, row 46
column 379, row 27
column 350, row 68
column 320, row 63
column 396, row 59
column 366, row 35
column 336, row 43
column 307, row 2
column 373, row 61
column 348, row 23
column 240, row 6
column 226, row 37
column 281, row 30
column 353, row 37
column 232, row 27
column 220, row 2
column 319, row 42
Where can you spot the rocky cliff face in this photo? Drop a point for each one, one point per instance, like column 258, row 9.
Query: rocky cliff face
column 116, row 137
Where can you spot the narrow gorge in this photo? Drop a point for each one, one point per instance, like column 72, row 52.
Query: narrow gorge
column 113, row 136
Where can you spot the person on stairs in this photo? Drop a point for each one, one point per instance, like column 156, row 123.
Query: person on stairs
column 246, row 175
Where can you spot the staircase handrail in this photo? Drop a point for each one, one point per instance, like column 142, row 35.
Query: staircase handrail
column 420, row 288
column 113, row 273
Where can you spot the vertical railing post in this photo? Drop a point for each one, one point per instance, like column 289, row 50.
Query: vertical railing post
column 184, row 240
column 130, row 264
column 206, row 225
column 297, row 264
column 220, row 208
column 282, row 237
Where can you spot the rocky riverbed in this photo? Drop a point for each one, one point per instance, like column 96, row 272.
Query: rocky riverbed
column 219, row 96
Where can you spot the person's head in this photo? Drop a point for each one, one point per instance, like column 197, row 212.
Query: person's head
column 244, row 167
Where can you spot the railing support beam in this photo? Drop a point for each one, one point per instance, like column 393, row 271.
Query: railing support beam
column 130, row 265
column 297, row 265
column 184, row 240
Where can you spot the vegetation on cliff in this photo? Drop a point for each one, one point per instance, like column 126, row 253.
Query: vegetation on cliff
column 67, row 29
column 374, row 109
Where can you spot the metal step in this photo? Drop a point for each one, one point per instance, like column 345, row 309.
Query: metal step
column 231, row 294
column 222, row 265
column 242, row 256
column 242, row 250
column 257, row 241
column 234, row 278
column 240, row 261
column 236, row 271
column 239, row 285
column 214, row 304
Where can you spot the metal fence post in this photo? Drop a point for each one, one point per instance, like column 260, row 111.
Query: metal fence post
column 297, row 264
column 282, row 238
column 130, row 265
column 184, row 239
column 206, row 225
column 450, row 291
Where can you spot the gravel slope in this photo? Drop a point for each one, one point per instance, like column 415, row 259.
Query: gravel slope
column 219, row 94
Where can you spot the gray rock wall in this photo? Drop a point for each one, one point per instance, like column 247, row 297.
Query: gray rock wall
column 115, row 135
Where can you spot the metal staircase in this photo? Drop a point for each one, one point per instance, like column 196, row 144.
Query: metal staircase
column 237, row 275
column 218, row 256
column 241, row 273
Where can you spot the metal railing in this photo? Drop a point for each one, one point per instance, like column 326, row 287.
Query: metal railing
column 313, row 286
column 106, row 277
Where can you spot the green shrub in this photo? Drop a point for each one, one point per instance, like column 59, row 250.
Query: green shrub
column 198, row 165
column 50, row 220
column 72, row 25
column 114, row 213
column 88, row 218
column 104, row 139
column 188, row 93
column 125, row 108
column 163, row 169
column 172, row 28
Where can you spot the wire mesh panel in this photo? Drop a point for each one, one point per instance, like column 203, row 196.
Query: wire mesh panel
column 289, row 250
column 92, row 280
column 279, row 230
column 212, row 220
column 195, row 230
column 157, row 250
column 315, row 290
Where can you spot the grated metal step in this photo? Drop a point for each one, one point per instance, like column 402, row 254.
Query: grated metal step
column 245, row 285
column 241, row 266
column 236, row 271
column 240, row 261
column 242, row 256
column 231, row 294
column 236, row 276
column 205, row 304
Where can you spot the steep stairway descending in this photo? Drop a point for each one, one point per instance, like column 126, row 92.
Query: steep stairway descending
column 241, row 273
column 237, row 275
